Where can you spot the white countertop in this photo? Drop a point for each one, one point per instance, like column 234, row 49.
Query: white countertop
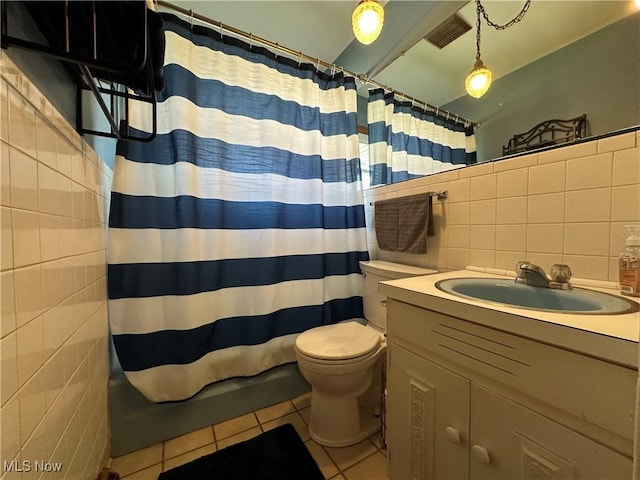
column 610, row 337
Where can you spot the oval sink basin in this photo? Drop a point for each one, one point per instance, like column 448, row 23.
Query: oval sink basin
column 508, row 292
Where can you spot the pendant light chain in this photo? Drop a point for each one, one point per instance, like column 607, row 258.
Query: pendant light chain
column 478, row 81
column 513, row 21
column 479, row 9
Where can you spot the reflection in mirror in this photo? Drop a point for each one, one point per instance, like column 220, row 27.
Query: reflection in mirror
column 547, row 133
column 597, row 75
column 406, row 141
column 363, row 142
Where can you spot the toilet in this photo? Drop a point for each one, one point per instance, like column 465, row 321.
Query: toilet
column 343, row 364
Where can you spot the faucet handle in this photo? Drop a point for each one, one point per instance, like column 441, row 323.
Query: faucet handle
column 560, row 276
column 560, row 273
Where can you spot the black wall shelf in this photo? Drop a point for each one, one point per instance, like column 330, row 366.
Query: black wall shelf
column 115, row 50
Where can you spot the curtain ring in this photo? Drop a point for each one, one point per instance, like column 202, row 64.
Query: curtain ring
column 220, row 28
column 447, row 116
column 456, row 120
column 191, row 19
column 276, row 49
column 250, row 41
column 437, row 111
column 299, row 58
column 317, row 65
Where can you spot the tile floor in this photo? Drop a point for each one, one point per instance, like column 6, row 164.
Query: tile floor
column 363, row 461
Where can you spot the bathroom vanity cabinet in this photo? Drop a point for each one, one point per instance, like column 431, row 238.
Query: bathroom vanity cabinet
column 468, row 401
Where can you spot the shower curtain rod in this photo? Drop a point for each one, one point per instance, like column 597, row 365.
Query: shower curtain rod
column 295, row 54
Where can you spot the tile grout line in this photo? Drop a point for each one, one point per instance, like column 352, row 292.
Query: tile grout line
column 162, row 461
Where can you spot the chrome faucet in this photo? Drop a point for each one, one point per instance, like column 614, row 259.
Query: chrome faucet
column 528, row 273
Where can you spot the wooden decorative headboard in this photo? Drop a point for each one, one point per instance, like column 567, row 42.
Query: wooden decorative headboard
column 550, row 132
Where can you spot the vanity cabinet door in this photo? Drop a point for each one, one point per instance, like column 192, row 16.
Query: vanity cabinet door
column 428, row 419
column 509, row 441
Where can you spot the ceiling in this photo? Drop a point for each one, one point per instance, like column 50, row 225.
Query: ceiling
column 400, row 58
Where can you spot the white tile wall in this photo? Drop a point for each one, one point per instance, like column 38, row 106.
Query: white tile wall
column 566, row 205
column 53, row 336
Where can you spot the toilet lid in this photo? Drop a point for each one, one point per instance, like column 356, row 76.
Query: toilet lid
column 338, row 342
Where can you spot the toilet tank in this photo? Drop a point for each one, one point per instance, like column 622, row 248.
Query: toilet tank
column 375, row 271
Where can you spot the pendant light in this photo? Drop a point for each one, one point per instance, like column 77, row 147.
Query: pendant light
column 367, row 20
column 479, row 80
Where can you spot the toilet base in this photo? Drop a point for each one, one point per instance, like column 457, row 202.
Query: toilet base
column 369, row 425
column 345, row 398
column 340, row 422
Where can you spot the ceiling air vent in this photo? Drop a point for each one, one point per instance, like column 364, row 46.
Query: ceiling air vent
column 448, row 31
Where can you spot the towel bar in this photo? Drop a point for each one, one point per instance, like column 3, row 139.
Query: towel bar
column 443, row 195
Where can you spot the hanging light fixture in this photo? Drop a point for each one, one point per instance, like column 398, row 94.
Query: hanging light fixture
column 367, row 20
column 479, row 80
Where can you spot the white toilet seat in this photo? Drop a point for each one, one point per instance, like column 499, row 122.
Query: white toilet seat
column 339, row 344
column 342, row 363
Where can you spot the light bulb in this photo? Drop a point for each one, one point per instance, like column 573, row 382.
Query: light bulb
column 367, row 20
column 479, row 80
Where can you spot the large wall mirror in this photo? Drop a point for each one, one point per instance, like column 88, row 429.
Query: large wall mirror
column 598, row 75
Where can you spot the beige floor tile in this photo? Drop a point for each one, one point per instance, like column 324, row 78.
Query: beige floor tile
column 306, row 414
column 240, row 437
column 303, row 401
column 185, row 443
column 234, row 426
column 275, row 411
column 138, row 460
column 150, row 473
column 189, row 456
column 293, row 418
column 371, row 468
column 337, row 477
column 346, row 457
column 327, row 467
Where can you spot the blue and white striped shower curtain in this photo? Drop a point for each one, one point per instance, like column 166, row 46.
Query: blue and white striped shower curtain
column 241, row 224
column 407, row 142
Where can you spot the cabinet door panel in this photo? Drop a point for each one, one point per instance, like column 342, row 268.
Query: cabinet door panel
column 411, row 412
column 521, row 444
column 452, row 426
column 428, row 433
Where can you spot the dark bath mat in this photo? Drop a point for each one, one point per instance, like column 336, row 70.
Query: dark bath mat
column 277, row 454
